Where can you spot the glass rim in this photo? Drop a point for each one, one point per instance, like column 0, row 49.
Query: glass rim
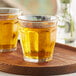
column 3, row 9
column 50, row 18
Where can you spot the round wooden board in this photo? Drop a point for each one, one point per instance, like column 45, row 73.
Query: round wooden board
column 64, row 61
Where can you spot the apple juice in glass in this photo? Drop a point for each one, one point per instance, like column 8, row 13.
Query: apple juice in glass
column 38, row 36
column 8, row 29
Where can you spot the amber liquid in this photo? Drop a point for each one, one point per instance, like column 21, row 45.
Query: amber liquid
column 38, row 43
column 8, row 33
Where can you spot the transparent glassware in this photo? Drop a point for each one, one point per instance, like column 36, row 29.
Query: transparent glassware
column 9, row 29
column 37, row 37
column 66, row 28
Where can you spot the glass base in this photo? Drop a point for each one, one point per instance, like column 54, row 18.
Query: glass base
column 38, row 60
column 7, row 50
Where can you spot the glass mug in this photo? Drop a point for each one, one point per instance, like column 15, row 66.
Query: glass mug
column 8, row 28
column 37, row 37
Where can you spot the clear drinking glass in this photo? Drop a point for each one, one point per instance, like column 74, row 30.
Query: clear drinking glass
column 38, row 36
column 8, row 29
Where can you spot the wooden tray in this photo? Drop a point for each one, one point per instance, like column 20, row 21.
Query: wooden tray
column 64, row 62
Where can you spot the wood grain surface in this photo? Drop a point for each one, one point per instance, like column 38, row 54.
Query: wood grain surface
column 64, row 61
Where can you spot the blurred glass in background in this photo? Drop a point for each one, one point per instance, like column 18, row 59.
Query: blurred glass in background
column 66, row 32
column 66, row 25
